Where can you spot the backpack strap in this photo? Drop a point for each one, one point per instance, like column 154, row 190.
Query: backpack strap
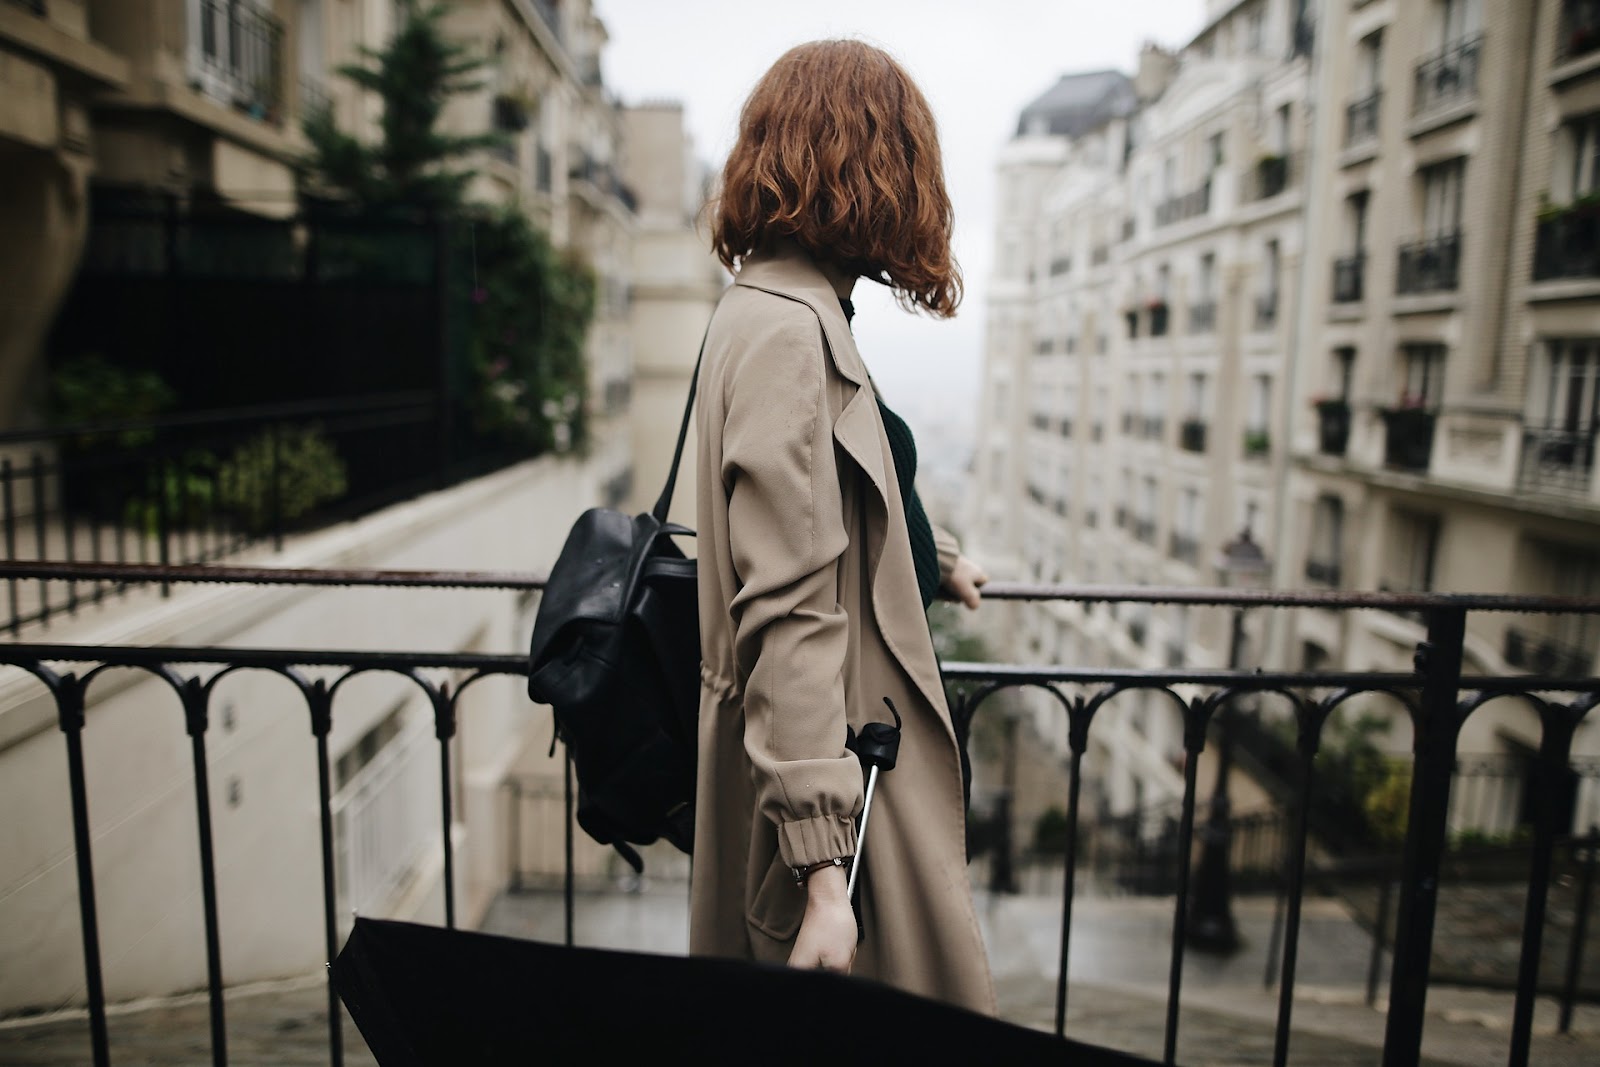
column 664, row 502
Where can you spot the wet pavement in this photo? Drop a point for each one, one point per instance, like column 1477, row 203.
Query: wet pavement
column 1120, row 956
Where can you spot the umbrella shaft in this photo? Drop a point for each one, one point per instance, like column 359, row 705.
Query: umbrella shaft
column 861, row 835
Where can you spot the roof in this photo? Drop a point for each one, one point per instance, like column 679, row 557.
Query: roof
column 1079, row 103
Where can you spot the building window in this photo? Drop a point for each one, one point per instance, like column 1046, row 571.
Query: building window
column 1327, row 541
column 1412, row 552
column 1558, row 448
column 1215, row 156
column 1583, row 138
column 1563, row 645
column 1422, row 368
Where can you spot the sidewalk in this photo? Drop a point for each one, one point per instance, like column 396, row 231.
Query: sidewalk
column 1116, row 997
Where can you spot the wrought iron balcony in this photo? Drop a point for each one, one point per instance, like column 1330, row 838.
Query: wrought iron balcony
column 1184, row 548
column 1558, row 460
column 1203, row 317
column 1269, row 176
column 1160, row 315
column 1579, row 29
column 1448, row 78
column 1440, row 698
column 1192, row 435
column 1349, row 278
column 1155, row 427
column 1408, row 441
column 1188, row 205
column 239, row 60
column 1257, row 443
column 1567, row 242
column 1333, row 427
column 1538, row 654
column 1144, row 530
column 1266, row 311
column 1323, row 572
column 1361, row 119
column 1431, row 266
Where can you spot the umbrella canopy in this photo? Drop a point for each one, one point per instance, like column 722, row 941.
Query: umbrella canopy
column 424, row 995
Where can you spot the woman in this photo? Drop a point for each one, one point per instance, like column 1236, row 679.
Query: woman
column 810, row 537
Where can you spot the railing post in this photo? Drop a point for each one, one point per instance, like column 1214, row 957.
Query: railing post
column 1555, row 752
column 1437, row 725
column 69, row 693
column 41, row 534
column 8, row 503
column 1380, row 932
column 444, row 722
column 1580, row 927
column 276, row 434
column 195, row 698
column 320, row 702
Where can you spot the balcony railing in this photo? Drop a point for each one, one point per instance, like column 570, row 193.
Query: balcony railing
column 1184, row 548
column 1567, row 243
column 1203, row 317
column 1431, row 266
column 1160, row 315
column 1333, row 427
column 1361, row 119
column 239, row 58
column 1323, row 572
column 1192, row 435
column 1257, row 443
column 1144, row 530
column 1408, row 439
column 1579, row 29
column 1349, row 278
column 1266, row 312
column 1155, row 427
column 1538, row 654
column 1558, row 460
column 1449, row 78
column 1189, row 205
column 1270, row 176
column 1440, row 697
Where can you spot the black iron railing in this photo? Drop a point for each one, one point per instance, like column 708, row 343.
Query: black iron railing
column 1184, row 548
column 1160, row 316
column 1361, row 119
column 1450, row 77
column 1192, row 435
column 1431, row 266
column 1438, row 697
column 1567, row 243
column 1203, row 317
column 1266, row 311
column 1579, row 28
column 1408, row 438
column 1333, row 427
column 1559, row 460
column 1349, row 275
column 200, row 487
column 241, row 57
column 1188, row 205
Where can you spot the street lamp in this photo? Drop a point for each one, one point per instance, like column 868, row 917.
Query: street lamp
column 1211, row 926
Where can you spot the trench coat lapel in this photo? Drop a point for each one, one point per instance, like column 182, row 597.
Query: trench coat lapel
column 858, row 430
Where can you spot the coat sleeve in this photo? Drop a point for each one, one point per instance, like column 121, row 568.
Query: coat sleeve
column 949, row 549
column 786, row 535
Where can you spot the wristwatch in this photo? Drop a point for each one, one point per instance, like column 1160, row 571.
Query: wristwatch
column 802, row 873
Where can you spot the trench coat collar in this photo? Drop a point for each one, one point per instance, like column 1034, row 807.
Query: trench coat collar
column 785, row 269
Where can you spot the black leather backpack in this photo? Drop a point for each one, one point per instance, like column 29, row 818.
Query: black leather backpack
column 616, row 654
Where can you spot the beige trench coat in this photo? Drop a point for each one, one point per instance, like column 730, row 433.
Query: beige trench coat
column 809, row 617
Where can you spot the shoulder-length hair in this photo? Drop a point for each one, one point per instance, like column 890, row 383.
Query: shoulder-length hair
column 839, row 151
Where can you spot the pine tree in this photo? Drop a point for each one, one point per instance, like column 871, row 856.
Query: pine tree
column 414, row 76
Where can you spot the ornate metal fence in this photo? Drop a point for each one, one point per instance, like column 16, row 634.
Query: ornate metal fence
column 1437, row 696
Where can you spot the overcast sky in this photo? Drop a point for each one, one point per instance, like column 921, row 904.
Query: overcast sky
column 979, row 63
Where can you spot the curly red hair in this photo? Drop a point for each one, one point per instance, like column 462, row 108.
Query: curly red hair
column 838, row 150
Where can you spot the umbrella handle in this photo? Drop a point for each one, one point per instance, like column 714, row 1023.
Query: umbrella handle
column 861, row 835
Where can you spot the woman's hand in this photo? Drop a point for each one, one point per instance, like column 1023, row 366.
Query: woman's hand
column 966, row 578
column 827, row 938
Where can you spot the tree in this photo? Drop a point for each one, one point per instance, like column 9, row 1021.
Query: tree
column 414, row 76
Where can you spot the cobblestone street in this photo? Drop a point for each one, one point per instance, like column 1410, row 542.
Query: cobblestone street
column 1116, row 998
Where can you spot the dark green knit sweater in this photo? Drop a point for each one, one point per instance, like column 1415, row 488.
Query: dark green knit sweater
column 903, row 447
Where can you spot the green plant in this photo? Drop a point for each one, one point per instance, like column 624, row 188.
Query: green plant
column 1257, row 442
column 301, row 461
column 1387, row 804
column 413, row 77
column 182, row 492
column 1050, row 832
column 89, row 389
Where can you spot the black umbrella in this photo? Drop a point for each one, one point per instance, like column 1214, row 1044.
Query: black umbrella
column 424, row 995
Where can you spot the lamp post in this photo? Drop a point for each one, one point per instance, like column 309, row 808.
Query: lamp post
column 1211, row 926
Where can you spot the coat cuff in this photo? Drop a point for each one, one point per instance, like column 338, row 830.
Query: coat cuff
column 949, row 549
column 803, row 842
